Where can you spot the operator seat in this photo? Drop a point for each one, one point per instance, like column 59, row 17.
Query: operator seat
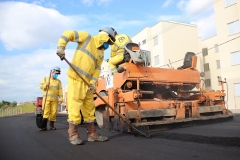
column 187, row 60
column 127, row 56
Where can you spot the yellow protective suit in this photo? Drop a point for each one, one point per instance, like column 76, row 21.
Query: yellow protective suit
column 87, row 61
column 53, row 96
column 117, row 51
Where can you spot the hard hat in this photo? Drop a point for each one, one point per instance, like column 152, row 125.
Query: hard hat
column 114, row 31
column 57, row 69
column 110, row 32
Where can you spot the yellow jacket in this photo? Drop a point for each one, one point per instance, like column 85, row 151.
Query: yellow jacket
column 88, row 58
column 118, row 47
column 54, row 91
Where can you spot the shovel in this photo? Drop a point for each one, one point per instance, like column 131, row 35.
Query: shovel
column 127, row 121
column 39, row 118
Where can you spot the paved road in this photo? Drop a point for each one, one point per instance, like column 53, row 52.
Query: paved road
column 20, row 139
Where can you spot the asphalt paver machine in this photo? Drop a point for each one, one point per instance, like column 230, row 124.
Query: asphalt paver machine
column 156, row 97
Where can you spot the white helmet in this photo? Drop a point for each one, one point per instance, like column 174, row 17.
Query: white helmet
column 57, row 69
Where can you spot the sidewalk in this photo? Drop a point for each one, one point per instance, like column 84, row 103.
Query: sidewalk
column 235, row 110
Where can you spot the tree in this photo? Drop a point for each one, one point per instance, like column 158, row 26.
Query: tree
column 14, row 104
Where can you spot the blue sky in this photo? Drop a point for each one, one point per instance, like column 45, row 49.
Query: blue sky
column 30, row 30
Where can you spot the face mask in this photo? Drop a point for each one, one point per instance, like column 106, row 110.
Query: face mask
column 55, row 76
column 105, row 45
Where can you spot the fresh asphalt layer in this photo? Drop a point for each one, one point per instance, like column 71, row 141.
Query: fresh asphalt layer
column 20, row 139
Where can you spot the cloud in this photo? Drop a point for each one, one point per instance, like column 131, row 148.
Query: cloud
column 43, row 3
column 206, row 26
column 167, row 3
column 168, row 18
column 200, row 13
column 98, row 2
column 190, row 6
column 26, row 25
column 103, row 2
column 22, row 74
column 87, row 2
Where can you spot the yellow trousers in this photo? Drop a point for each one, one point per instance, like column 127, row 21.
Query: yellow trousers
column 79, row 99
column 50, row 110
column 115, row 61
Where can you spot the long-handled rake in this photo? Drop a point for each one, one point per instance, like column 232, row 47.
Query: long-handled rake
column 127, row 121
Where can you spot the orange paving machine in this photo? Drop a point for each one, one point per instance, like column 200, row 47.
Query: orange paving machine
column 156, row 97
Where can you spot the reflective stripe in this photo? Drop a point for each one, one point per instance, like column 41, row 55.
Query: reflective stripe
column 83, row 49
column 76, row 36
column 51, row 95
column 65, row 38
column 81, row 71
column 54, row 87
column 93, row 79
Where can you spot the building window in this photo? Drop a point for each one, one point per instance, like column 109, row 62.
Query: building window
column 216, row 48
column 155, row 40
column 206, row 67
column 230, row 2
column 218, row 64
column 156, row 60
column 237, row 89
column 207, row 82
column 235, row 58
column 233, row 27
column 144, row 41
column 205, row 51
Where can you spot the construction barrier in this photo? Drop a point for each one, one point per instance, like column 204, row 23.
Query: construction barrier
column 10, row 112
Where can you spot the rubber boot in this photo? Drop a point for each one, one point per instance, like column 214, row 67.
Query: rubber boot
column 44, row 124
column 52, row 126
column 93, row 136
column 73, row 135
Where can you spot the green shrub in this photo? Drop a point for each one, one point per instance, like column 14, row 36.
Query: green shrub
column 27, row 107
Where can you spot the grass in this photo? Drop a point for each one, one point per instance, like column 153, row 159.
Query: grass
column 23, row 108
column 27, row 107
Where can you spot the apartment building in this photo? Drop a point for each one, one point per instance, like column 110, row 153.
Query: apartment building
column 168, row 43
column 224, row 59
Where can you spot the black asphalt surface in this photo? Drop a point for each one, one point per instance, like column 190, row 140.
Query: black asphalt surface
column 20, row 139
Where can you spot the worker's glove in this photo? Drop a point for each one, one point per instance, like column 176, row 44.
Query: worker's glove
column 92, row 87
column 46, row 86
column 61, row 52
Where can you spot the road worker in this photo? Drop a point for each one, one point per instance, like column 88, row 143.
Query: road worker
column 117, row 50
column 87, row 61
column 52, row 91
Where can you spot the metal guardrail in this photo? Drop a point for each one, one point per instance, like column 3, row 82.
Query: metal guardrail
column 10, row 112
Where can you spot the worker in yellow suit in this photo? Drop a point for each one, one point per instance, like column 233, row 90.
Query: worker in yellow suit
column 54, row 96
column 87, row 61
column 117, row 50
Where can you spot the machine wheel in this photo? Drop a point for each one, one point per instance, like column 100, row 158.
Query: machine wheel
column 100, row 112
column 39, row 120
column 99, row 116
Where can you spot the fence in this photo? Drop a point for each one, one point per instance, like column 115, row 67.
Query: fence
column 10, row 112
